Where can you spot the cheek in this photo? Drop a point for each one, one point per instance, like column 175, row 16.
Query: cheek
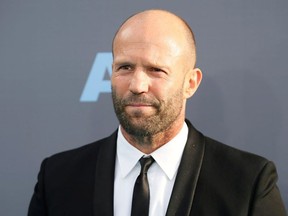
column 169, row 87
column 162, row 89
column 119, row 84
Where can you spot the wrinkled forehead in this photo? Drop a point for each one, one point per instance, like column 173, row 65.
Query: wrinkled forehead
column 163, row 46
column 145, row 53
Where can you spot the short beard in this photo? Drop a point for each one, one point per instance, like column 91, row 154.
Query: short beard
column 139, row 126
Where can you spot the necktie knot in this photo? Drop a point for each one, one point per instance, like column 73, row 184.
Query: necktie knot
column 146, row 162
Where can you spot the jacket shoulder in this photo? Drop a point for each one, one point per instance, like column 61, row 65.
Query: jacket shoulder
column 84, row 151
column 222, row 154
column 237, row 182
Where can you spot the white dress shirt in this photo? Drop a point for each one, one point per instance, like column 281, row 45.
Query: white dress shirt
column 161, row 174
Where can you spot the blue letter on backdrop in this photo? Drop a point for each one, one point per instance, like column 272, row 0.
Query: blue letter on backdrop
column 95, row 83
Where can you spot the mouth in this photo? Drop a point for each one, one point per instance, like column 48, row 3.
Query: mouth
column 139, row 108
column 139, row 105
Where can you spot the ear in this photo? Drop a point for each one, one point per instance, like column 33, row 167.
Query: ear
column 192, row 81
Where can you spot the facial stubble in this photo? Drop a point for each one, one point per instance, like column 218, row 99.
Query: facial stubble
column 142, row 126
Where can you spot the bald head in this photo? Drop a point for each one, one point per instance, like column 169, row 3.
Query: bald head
column 157, row 27
column 153, row 74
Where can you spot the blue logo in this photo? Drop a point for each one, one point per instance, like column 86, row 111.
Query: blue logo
column 96, row 82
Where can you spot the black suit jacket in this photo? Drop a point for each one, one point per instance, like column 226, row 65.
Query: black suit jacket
column 213, row 180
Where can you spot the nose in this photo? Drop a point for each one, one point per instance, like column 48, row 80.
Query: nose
column 139, row 82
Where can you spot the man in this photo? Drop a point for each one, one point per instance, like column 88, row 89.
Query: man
column 154, row 73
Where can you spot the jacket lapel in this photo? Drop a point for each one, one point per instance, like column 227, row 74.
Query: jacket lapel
column 186, row 180
column 185, row 184
column 104, row 177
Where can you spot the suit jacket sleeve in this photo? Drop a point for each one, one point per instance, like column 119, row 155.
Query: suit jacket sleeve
column 37, row 203
column 267, row 199
column 77, row 182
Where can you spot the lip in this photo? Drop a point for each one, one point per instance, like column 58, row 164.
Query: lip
column 139, row 105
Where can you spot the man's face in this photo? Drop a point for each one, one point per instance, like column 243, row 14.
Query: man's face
column 147, row 83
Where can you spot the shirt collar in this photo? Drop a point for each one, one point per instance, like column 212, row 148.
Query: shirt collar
column 167, row 156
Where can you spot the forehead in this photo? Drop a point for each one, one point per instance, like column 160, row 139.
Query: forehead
column 164, row 47
column 133, row 43
column 146, row 53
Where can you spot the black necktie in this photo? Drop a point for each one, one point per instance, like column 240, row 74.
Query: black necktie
column 141, row 194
